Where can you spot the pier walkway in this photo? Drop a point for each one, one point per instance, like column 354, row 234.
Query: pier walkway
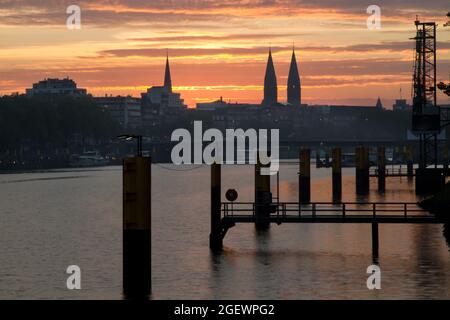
column 327, row 212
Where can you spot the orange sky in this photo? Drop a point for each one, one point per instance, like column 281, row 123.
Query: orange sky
column 219, row 48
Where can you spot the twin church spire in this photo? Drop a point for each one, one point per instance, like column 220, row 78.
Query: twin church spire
column 167, row 77
column 293, row 84
column 270, row 82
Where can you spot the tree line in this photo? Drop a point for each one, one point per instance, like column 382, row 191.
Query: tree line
column 52, row 122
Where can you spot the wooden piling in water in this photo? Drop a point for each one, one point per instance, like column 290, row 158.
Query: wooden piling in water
column 263, row 198
column 304, row 177
column 337, row 174
column 318, row 161
column 362, row 170
column 375, row 241
column 215, row 236
column 409, row 162
column 327, row 159
column 381, row 169
column 137, row 227
column 445, row 157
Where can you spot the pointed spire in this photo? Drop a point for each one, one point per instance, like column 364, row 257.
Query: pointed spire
column 270, row 83
column 167, row 77
column 379, row 104
column 294, row 85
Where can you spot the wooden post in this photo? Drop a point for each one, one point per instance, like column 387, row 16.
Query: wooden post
column 327, row 159
column 304, row 177
column 215, row 237
column 362, row 171
column 429, row 181
column 381, row 169
column 366, row 170
column 318, row 161
column 375, row 241
column 445, row 157
column 409, row 162
column 137, row 227
column 263, row 198
column 337, row 174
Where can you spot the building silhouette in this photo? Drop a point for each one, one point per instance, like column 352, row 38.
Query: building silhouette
column 270, row 84
column 379, row 105
column 400, row 105
column 163, row 97
column 126, row 110
column 161, row 103
column 293, row 84
column 56, row 87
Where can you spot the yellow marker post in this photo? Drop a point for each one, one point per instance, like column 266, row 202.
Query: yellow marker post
column 137, row 227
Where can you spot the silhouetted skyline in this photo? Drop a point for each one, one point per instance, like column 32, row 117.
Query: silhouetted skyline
column 218, row 48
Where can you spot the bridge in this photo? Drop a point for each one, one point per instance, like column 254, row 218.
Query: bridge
column 327, row 212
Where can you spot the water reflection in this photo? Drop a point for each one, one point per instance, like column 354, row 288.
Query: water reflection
column 82, row 225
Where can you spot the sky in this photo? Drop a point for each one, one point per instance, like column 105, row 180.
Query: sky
column 219, row 48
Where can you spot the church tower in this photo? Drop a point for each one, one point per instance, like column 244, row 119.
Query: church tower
column 293, row 85
column 270, row 83
column 167, row 77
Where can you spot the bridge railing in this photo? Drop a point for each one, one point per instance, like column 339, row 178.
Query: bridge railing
column 343, row 209
column 390, row 171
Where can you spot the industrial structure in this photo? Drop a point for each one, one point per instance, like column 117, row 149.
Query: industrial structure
column 428, row 119
column 426, row 116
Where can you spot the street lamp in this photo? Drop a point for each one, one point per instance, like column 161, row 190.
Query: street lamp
column 129, row 137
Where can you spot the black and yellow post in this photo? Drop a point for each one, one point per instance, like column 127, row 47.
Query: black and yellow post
column 409, row 162
column 263, row 198
column 304, row 177
column 381, row 169
column 362, row 171
column 337, row 174
column 215, row 237
column 137, row 227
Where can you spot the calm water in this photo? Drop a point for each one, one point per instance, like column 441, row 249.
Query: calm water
column 55, row 219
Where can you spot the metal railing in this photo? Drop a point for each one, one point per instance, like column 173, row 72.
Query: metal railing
column 402, row 171
column 316, row 209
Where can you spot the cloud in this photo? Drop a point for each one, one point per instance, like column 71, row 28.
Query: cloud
column 107, row 13
column 210, row 38
column 396, row 46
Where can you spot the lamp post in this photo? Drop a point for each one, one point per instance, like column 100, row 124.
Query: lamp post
column 129, row 137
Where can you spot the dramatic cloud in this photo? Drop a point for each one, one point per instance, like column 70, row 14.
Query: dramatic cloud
column 106, row 13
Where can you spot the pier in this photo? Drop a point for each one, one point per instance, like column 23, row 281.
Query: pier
column 329, row 212
column 264, row 211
